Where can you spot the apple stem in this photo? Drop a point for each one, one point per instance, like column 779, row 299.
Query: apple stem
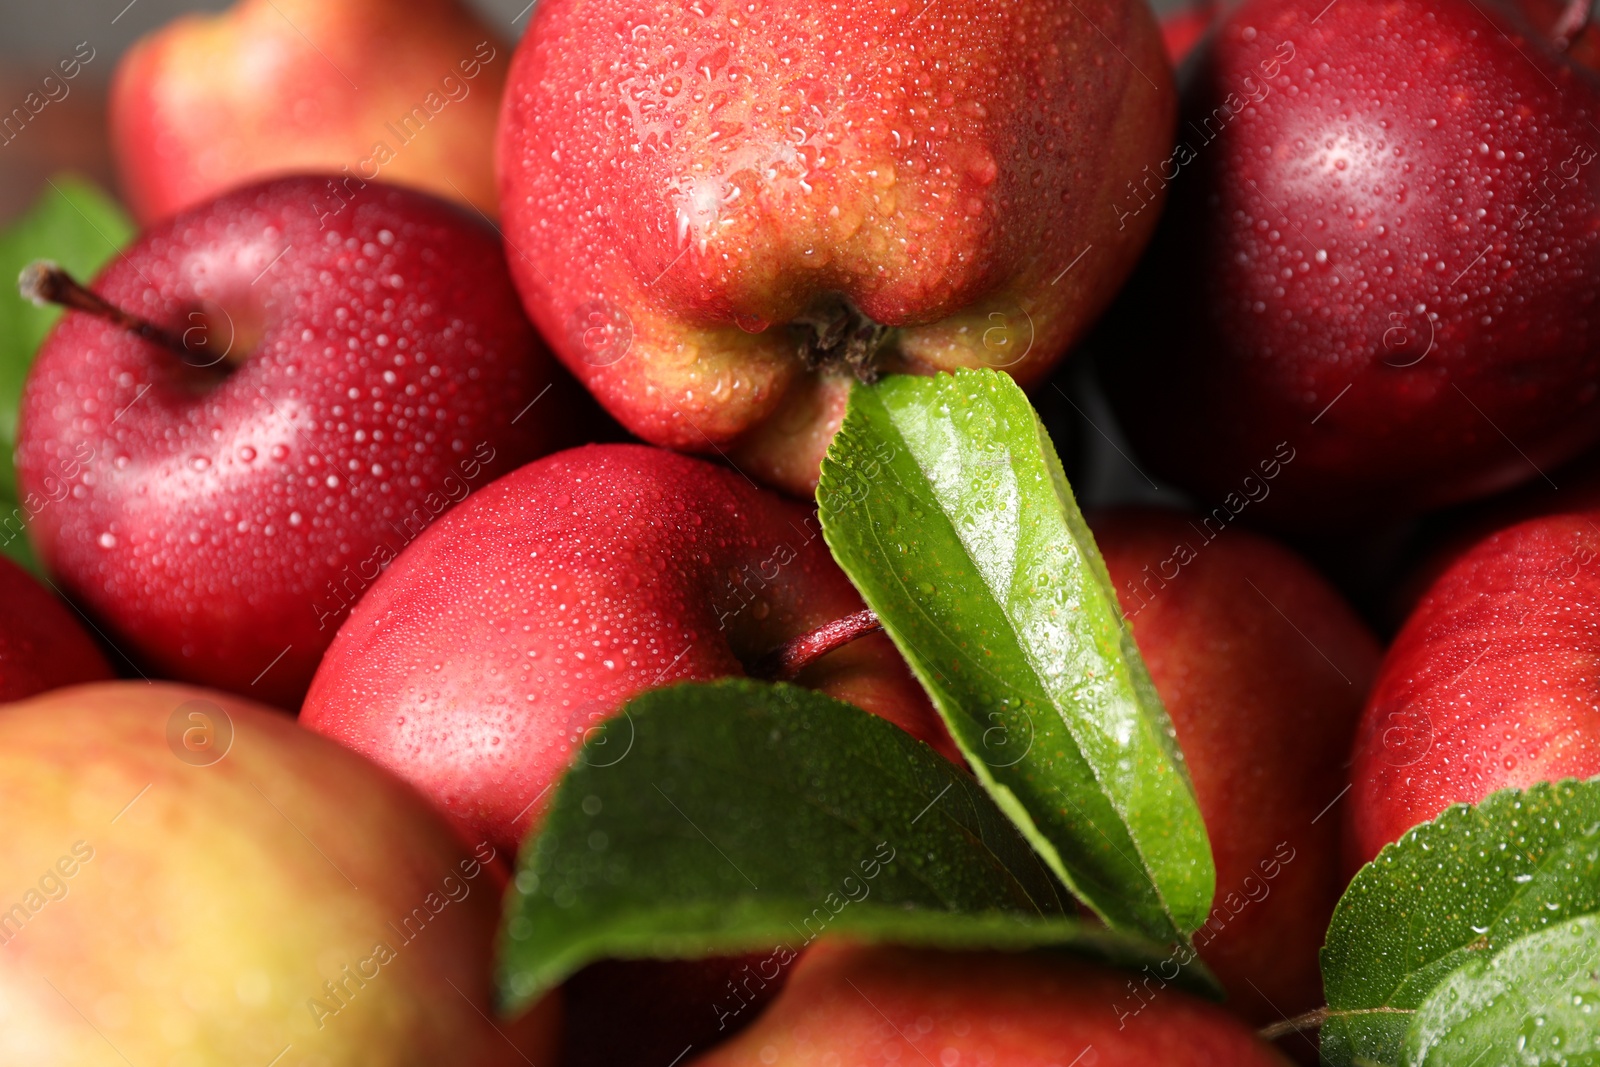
column 1311, row 1020
column 1318, row 1017
column 785, row 663
column 836, row 331
column 1574, row 20
column 46, row 283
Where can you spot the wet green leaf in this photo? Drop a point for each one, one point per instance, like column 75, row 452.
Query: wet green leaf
column 1474, row 939
column 81, row 228
column 945, row 502
column 739, row 816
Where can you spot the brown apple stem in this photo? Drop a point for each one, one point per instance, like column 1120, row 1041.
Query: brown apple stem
column 1311, row 1020
column 786, row 662
column 1574, row 20
column 1318, row 1017
column 835, row 331
column 45, row 283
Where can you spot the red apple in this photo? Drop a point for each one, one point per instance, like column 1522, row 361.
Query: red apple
column 751, row 204
column 1442, row 538
column 518, row 624
column 358, row 88
column 1380, row 255
column 1182, row 30
column 368, row 369
column 1263, row 668
column 42, row 643
column 1494, row 682
column 850, row 1006
column 192, row 878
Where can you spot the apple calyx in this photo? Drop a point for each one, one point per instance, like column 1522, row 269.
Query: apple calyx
column 1574, row 20
column 45, row 282
column 784, row 663
column 835, row 332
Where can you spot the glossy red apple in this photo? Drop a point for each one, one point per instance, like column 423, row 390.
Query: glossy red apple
column 721, row 212
column 192, row 878
column 42, row 643
column 357, row 89
column 1264, row 669
column 519, row 624
column 368, row 370
column 1380, row 251
column 1494, row 682
column 885, row 1006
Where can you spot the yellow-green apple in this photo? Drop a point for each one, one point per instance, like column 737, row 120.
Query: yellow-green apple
column 1380, row 250
column 297, row 398
column 192, row 878
column 353, row 88
column 886, row 1006
column 517, row 625
column 1263, row 668
column 1493, row 682
column 753, row 203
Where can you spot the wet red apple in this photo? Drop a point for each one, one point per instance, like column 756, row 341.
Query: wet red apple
column 512, row 630
column 1380, row 252
column 721, row 213
column 1493, row 682
column 258, row 406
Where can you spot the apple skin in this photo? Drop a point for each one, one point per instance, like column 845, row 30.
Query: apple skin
column 1265, row 705
column 215, row 520
column 1493, row 682
column 200, row 904
column 42, row 644
column 517, row 624
column 1375, row 263
column 212, row 102
column 1182, row 30
column 859, row 1006
column 706, row 173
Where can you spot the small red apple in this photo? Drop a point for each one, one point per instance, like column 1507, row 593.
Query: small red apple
column 364, row 371
column 1183, row 30
column 1380, row 252
column 517, row 625
column 1494, row 682
column 192, row 878
column 42, row 644
column 1263, row 668
column 752, row 203
column 886, row 1006
column 361, row 89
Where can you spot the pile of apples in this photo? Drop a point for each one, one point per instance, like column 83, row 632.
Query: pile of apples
column 453, row 396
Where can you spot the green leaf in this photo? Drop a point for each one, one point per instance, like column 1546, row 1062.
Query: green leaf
column 737, row 816
column 81, row 228
column 1477, row 931
column 944, row 501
